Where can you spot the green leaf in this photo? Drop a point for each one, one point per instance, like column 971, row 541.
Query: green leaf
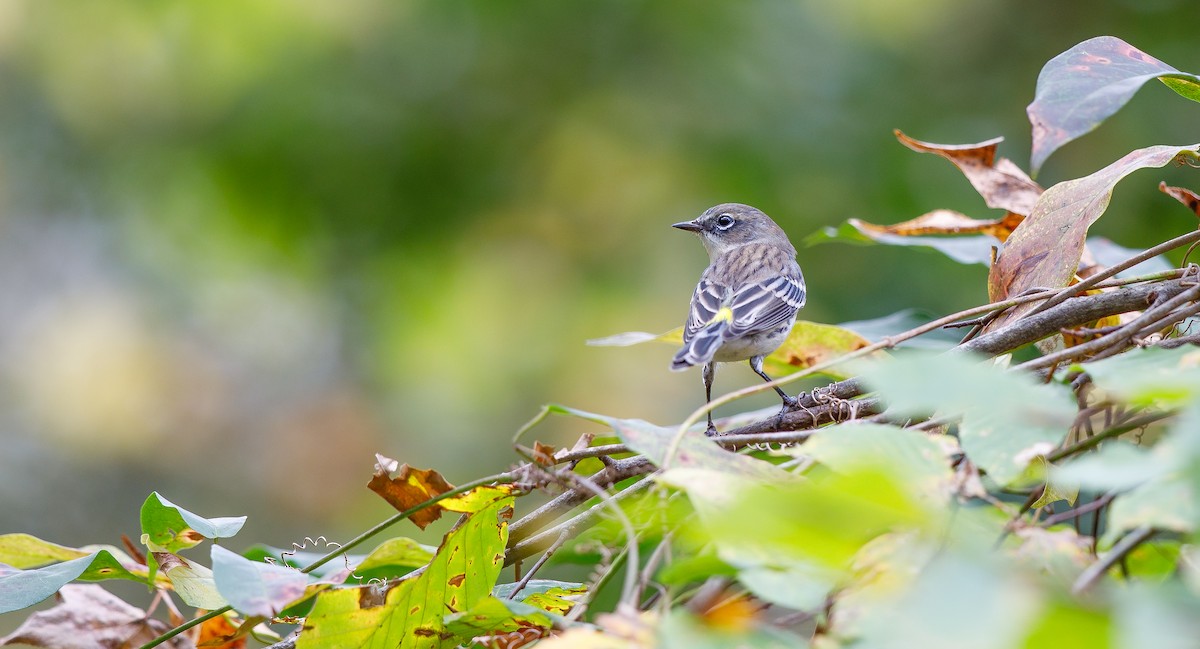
column 1008, row 418
column 26, row 551
column 410, row 613
column 535, row 586
column 1080, row 88
column 170, row 528
column 811, row 343
column 394, row 558
column 1183, row 85
column 255, row 588
column 23, row 588
column 1162, row 616
column 953, row 603
column 970, row 249
column 1066, row 624
column 822, row 521
column 909, row 456
column 1115, row 465
column 192, row 581
column 493, row 616
column 693, row 568
column 1167, row 503
column 1150, row 376
column 695, row 450
column 799, row 587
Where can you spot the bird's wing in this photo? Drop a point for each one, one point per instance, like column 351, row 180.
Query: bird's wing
column 706, row 303
column 767, row 304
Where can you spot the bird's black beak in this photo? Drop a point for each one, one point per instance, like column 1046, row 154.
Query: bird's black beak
column 690, row 226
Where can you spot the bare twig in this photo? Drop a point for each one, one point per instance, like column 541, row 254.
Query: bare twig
column 1073, row 514
column 1094, row 572
column 1098, row 278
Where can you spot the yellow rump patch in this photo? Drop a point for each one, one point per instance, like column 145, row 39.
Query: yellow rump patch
column 724, row 315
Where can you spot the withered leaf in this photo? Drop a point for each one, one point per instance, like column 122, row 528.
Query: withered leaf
column 405, row 487
column 543, row 453
column 1001, row 183
column 89, row 617
column 1186, row 196
column 945, row 222
column 1045, row 250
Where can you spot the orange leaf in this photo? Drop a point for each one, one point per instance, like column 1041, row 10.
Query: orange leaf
column 942, row 222
column 220, row 632
column 405, row 487
column 1001, row 183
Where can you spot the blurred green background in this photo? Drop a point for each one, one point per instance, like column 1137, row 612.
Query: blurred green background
column 246, row 245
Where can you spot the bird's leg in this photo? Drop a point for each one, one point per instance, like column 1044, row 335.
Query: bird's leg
column 707, row 374
column 789, row 402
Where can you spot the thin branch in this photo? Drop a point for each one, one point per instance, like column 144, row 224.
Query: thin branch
column 565, row 502
column 1120, row 336
column 1079, row 511
column 1111, row 271
column 1094, row 572
column 562, row 538
column 1119, row 429
column 1072, row 313
column 187, row 625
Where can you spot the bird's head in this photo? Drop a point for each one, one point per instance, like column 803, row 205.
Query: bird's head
column 730, row 225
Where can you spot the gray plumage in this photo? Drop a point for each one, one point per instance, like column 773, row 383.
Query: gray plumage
column 746, row 302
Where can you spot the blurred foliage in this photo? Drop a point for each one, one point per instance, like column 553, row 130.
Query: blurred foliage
column 244, row 246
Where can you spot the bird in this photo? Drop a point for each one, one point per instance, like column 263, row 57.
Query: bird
column 746, row 302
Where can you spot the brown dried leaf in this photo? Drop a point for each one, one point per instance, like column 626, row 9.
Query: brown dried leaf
column 942, row 222
column 543, row 453
column 405, row 487
column 1045, row 250
column 1186, row 196
column 89, row 617
column 1001, row 183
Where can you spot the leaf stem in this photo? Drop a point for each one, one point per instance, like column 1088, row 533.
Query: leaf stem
column 187, row 625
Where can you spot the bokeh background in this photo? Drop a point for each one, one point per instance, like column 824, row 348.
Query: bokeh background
column 246, row 245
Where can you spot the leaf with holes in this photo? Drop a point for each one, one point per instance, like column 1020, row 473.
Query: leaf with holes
column 404, row 487
column 410, row 613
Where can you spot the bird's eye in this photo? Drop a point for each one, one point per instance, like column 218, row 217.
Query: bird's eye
column 724, row 221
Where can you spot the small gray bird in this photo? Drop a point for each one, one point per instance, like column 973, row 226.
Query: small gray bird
column 746, row 302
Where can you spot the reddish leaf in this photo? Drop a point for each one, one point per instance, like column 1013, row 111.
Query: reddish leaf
column 1001, row 183
column 405, row 487
column 89, row 617
column 1186, row 196
column 1044, row 251
column 1080, row 88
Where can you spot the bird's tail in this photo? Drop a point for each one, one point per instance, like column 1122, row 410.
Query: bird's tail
column 702, row 347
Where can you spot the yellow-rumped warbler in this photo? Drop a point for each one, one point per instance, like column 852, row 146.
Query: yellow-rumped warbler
column 746, row 302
